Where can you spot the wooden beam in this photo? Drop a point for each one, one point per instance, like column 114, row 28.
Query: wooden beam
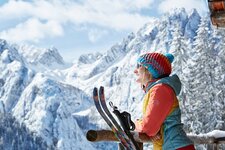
column 218, row 19
column 217, row 6
column 215, row 0
column 107, row 135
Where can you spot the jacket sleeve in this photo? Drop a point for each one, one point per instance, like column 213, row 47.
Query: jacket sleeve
column 159, row 105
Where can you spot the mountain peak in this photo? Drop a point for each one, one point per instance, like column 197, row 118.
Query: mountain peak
column 48, row 57
column 3, row 44
column 89, row 58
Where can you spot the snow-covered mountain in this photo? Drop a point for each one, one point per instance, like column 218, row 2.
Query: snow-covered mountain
column 47, row 106
column 54, row 101
column 48, row 57
column 44, row 105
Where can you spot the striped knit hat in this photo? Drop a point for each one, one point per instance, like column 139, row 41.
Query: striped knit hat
column 158, row 65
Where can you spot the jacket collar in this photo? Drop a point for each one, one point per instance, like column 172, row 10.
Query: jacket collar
column 173, row 81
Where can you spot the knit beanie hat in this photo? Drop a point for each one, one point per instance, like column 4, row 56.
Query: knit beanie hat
column 157, row 64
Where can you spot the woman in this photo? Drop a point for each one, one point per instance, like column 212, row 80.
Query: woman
column 161, row 112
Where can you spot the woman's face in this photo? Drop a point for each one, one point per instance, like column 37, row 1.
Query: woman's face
column 143, row 76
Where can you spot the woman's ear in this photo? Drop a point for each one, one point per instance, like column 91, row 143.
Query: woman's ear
column 148, row 74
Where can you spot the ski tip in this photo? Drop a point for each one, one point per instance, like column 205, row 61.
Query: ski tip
column 101, row 90
column 95, row 92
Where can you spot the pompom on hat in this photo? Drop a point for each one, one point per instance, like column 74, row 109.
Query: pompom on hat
column 157, row 64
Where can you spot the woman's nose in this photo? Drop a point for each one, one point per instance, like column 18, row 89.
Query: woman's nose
column 135, row 71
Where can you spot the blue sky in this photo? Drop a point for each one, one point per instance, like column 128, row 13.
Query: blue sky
column 76, row 27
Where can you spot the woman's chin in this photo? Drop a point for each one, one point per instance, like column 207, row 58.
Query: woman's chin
column 138, row 81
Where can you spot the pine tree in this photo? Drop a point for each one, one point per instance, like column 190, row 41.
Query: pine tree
column 202, row 89
column 179, row 49
column 220, row 77
column 198, row 78
column 16, row 136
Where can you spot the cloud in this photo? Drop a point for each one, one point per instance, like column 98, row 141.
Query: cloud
column 86, row 11
column 168, row 5
column 95, row 34
column 108, row 14
column 117, row 14
column 15, row 9
column 32, row 30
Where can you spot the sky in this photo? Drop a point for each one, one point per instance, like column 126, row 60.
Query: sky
column 78, row 27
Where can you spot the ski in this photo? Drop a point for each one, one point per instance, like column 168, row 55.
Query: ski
column 125, row 122
column 99, row 100
column 118, row 134
column 131, row 141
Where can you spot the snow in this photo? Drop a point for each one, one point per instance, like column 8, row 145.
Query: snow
column 82, row 113
column 216, row 133
column 2, row 109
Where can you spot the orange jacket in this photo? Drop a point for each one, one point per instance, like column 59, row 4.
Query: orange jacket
column 157, row 105
column 161, row 114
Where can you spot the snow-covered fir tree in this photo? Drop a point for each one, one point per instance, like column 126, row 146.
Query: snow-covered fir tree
column 15, row 136
column 202, row 89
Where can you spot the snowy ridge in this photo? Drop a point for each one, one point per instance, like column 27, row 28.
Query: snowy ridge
column 14, row 79
column 9, row 53
column 89, row 58
column 39, row 56
column 116, row 53
column 46, row 107
column 2, row 108
column 192, row 26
